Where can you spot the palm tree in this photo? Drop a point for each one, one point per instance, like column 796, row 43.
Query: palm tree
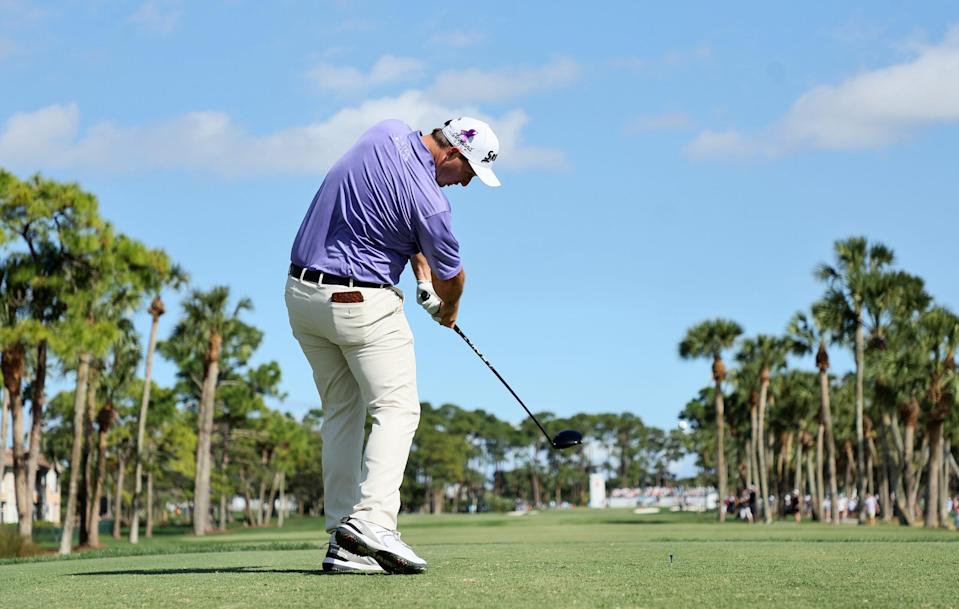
column 805, row 335
column 893, row 307
column 858, row 265
column 709, row 339
column 940, row 340
column 796, row 391
column 197, row 342
column 16, row 332
column 900, row 372
column 156, row 310
column 764, row 354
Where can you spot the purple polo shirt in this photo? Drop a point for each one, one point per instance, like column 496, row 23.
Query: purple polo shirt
column 379, row 205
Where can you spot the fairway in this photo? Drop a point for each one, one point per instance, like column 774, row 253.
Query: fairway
column 573, row 558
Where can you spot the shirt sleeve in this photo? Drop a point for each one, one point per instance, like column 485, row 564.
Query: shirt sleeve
column 436, row 241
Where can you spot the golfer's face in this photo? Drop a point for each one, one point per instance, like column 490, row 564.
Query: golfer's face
column 456, row 170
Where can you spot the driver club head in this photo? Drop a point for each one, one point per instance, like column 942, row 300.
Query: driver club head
column 567, row 438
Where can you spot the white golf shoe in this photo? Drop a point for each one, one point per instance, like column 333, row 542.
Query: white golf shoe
column 340, row 560
column 383, row 545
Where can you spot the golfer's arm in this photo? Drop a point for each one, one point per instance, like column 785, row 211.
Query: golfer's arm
column 421, row 268
column 450, row 290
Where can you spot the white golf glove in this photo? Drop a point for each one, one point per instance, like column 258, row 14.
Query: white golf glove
column 426, row 297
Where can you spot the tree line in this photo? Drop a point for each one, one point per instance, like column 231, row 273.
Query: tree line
column 70, row 288
column 889, row 429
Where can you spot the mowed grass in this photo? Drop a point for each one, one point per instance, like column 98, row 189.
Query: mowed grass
column 573, row 558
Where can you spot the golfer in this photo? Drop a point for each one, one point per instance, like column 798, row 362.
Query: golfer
column 379, row 207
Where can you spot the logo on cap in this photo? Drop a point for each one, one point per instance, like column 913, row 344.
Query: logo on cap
column 489, row 157
column 467, row 135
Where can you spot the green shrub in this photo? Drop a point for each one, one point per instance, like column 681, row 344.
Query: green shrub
column 12, row 545
column 495, row 503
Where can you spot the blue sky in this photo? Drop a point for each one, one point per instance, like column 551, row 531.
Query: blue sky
column 660, row 165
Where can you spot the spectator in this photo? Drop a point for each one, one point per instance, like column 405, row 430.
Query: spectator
column 842, row 507
column 745, row 507
column 870, row 505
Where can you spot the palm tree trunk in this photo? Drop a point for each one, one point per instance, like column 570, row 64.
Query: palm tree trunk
column 944, row 485
column 98, row 487
column 826, row 414
column 261, row 510
column 224, row 463
column 79, row 415
column 36, row 420
column 148, row 508
column 12, row 363
column 86, row 489
column 222, row 514
column 5, row 401
column 201, row 487
column 782, row 470
column 892, row 454
column 720, row 450
column 922, row 460
column 281, row 508
column 909, row 459
column 248, row 508
column 763, row 472
column 818, row 496
column 934, row 473
column 753, row 452
column 156, row 310
column 850, row 468
column 814, row 490
column 274, row 488
column 800, row 495
column 118, row 494
column 860, row 403
column 246, row 491
column 885, row 486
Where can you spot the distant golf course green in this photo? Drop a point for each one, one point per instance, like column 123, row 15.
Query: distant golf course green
column 571, row 558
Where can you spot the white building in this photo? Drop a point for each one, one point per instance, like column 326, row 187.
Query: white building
column 46, row 498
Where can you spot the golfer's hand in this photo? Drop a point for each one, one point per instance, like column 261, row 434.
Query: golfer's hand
column 426, row 297
column 448, row 313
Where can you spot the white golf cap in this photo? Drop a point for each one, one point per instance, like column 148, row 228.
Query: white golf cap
column 477, row 142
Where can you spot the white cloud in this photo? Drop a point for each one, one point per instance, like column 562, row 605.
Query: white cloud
column 211, row 142
column 157, row 16
column 668, row 121
column 715, row 144
column 344, row 79
column 477, row 85
column 869, row 110
column 457, row 39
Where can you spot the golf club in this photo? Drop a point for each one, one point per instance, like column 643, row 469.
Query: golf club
column 564, row 439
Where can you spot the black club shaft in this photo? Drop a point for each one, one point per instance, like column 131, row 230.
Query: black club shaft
column 502, row 380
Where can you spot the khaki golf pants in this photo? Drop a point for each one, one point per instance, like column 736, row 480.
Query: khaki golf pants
column 362, row 360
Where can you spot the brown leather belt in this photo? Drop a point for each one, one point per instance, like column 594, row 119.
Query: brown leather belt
column 317, row 276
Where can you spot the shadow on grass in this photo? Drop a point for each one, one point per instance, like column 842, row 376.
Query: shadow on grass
column 639, row 521
column 199, row 571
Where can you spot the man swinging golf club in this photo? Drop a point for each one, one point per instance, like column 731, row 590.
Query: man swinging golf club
column 379, row 206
